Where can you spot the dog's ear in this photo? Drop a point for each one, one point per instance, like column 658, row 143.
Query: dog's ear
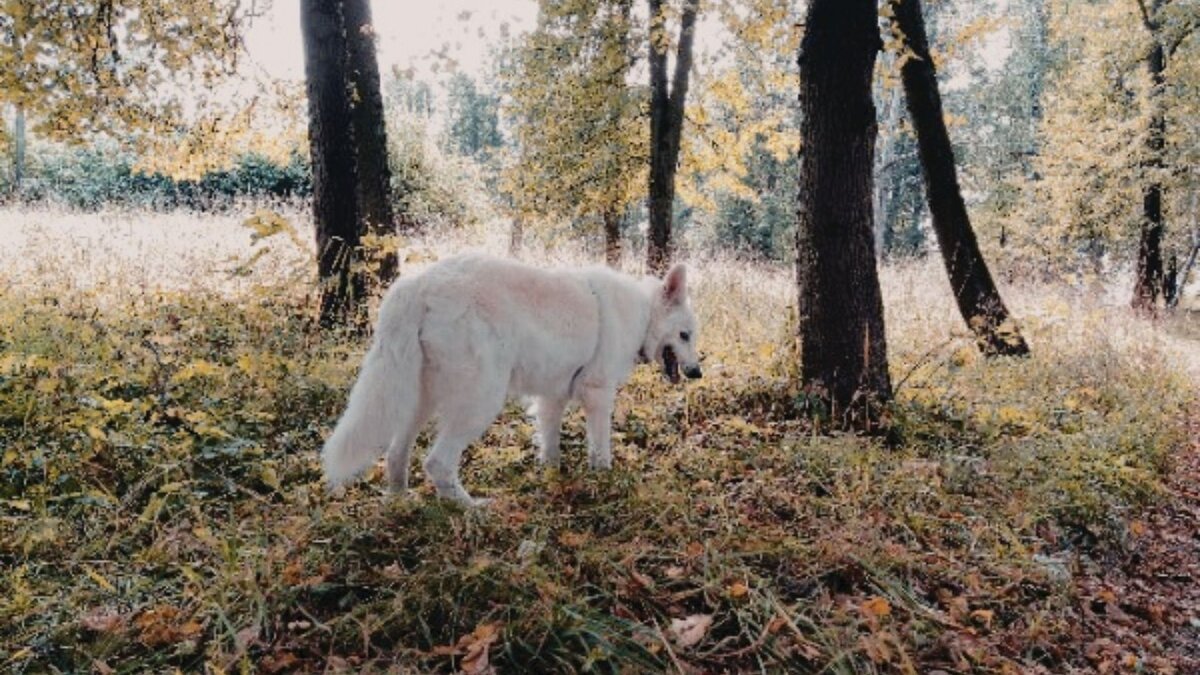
column 675, row 285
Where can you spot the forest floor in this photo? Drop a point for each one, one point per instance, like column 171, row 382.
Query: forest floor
column 1150, row 593
column 164, row 394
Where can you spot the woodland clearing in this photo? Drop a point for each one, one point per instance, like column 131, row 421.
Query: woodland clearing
column 164, row 392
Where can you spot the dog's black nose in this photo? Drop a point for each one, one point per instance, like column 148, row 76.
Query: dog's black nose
column 693, row 372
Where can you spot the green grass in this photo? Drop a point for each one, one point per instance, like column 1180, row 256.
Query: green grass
column 161, row 504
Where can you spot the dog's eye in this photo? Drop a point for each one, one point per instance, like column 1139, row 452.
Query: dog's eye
column 685, row 336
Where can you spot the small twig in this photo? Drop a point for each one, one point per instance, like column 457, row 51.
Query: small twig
column 787, row 620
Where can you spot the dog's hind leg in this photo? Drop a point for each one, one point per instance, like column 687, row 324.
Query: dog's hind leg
column 549, row 425
column 400, row 451
column 460, row 423
column 598, row 408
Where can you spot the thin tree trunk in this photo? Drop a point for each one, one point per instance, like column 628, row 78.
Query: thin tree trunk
column 1189, row 262
column 974, row 290
column 331, row 145
column 1037, row 85
column 1185, row 272
column 370, row 134
column 886, row 167
column 1148, row 281
column 516, row 236
column 612, row 237
column 18, row 149
column 843, row 350
column 666, row 124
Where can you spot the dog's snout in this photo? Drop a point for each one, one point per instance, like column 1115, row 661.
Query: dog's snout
column 692, row 371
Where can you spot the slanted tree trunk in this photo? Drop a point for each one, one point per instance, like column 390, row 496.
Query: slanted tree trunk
column 370, row 134
column 18, row 149
column 1148, row 280
column 1185, row 272
column 331, row 145
column 666, row 125
column 843, row 350
column 978, row 299
column 612, row 237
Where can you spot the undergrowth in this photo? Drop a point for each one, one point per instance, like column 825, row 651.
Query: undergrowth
column 161, row 503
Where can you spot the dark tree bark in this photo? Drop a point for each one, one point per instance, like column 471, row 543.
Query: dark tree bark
column 370, row 133
column 666, row 126
column 612, row 237
column 1148, row 280
column 974, row 290
column 331, row 145
column 843, row 349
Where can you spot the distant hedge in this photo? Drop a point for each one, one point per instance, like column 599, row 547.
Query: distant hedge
column 90, row 179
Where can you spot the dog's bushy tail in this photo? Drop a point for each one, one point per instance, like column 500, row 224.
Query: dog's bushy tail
column 385, row 399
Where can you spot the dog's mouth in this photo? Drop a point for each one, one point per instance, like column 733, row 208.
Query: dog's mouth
column 670, row 364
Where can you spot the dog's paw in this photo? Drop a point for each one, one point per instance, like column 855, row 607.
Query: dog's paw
column 600, row 463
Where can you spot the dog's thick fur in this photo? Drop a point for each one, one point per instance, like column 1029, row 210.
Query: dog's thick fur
column 455, row 341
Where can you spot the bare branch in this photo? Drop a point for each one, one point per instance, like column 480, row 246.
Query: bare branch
column 1146, row 20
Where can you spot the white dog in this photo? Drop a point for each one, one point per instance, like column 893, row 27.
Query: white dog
column 455, row 341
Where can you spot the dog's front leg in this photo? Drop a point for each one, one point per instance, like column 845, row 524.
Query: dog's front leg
column 549, row 413
column 598, row 407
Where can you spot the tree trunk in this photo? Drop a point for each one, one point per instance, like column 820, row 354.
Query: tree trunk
column 612, row 237
column 666, row 124
column 516, row 236
column 370, row 134
column 1148, row 281
column 886, row 167
column 978, row 299
column 1184, row 272
column 18, row 149
column 843, row 349
column 331, row 145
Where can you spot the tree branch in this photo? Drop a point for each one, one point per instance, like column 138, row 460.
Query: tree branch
column 1146, row 20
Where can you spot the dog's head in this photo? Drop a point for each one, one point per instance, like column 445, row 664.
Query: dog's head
column 671, row 337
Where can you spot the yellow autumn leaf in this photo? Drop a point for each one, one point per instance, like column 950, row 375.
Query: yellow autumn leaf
column 875, row 606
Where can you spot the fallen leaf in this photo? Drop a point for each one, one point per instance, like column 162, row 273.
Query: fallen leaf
column 875, row 607
column 689, row 631
column 738, row 589
column 983, row 616
column 279, row 662
column 572, row 539
column 477, row 644
column 245, row 637
column 103, row 620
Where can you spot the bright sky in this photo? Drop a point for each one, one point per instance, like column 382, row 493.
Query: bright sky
column 410, row 33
